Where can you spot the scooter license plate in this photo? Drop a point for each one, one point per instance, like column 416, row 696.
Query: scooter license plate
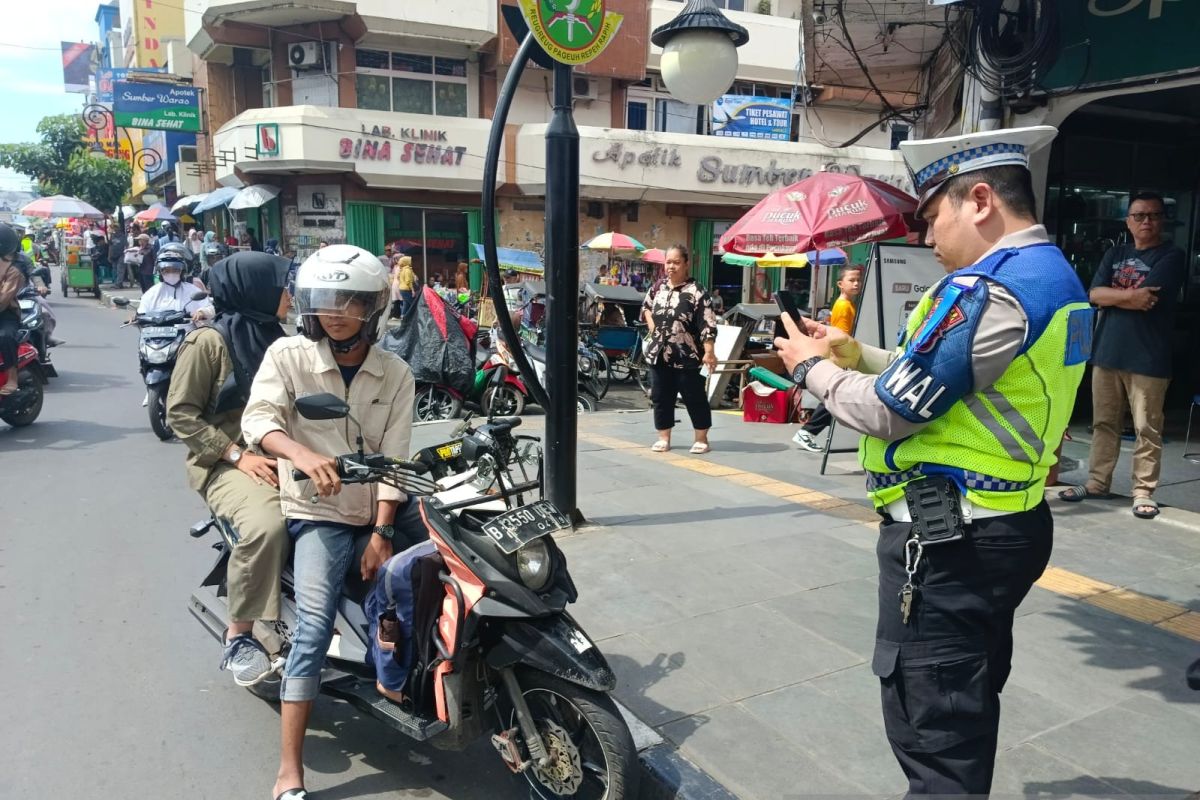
column 518, row 527
column 159, row 330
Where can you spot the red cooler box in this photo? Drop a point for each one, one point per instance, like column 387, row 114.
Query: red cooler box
column 761, row 403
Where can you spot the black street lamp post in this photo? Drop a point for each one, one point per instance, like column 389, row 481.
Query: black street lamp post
column 699, row 63
column 97, row 118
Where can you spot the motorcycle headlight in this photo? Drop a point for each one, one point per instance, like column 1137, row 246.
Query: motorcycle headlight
column 533, row 565
column 156, row 356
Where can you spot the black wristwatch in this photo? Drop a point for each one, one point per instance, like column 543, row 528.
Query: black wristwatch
column 386, row 531
column 800, row 373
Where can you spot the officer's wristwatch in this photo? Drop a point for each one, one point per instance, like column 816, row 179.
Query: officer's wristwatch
column 800, row 373
column 234, row 455
column 385, row 531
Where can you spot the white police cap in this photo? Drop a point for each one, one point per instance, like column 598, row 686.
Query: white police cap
column 931, row 162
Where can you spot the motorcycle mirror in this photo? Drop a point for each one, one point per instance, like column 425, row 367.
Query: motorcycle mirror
column 322, row 406
column 120, row 302
column 198, row 296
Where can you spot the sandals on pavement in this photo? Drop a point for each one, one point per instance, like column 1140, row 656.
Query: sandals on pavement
column 299, row 793
column 661, row 446
column 1073, row 494
column 1145, row 507
column 699, row 448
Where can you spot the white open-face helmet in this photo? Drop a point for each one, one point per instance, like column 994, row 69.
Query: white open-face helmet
column 344, row 280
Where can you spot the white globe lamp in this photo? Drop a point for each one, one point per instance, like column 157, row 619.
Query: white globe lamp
column 699, row 59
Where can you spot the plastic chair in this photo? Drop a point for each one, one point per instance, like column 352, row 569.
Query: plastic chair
column 1187, row 439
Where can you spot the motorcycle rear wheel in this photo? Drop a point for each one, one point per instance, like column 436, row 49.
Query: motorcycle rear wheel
column 435, row 402
column 157, row 406
column 503, row 401
column 19, row 418
column 597, row 761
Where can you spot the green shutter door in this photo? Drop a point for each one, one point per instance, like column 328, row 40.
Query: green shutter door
column 702, row 235
column 364, row 226
column 474, row 237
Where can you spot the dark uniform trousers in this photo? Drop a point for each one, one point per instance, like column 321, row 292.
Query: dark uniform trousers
column 941, row 674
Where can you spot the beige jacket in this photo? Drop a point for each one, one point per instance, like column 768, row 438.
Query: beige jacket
column 380, row 398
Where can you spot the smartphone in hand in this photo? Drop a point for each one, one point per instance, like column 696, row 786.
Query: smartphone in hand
column 787, row 304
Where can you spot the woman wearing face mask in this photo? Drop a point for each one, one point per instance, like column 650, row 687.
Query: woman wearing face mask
column 172, row 293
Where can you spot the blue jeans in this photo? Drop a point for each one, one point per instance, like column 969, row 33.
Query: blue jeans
column 322, row 557
column 320, row 563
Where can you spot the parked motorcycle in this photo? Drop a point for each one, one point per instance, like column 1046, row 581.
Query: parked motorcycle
column 162, row 332
column 494, row 647
column 33, row 320
column 23, row 406
column 497, row 390
column 433, row 402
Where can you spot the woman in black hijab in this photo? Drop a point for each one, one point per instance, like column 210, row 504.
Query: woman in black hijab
column 209, row 387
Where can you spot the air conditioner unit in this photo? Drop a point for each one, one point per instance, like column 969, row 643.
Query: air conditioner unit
column 585, row 88
column 307, row 54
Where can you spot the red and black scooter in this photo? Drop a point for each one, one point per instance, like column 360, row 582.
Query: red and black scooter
column 24, row 406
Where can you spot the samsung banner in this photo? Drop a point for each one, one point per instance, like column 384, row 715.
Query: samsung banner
column 744, row 117
column 156, row 107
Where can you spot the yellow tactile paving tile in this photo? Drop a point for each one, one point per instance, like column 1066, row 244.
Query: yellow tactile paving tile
column 1135, row 606
column 1060, row 581
column 1123, row 602
column 1186, row 625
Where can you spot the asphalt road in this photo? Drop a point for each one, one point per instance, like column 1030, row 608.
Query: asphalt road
column 110, row 687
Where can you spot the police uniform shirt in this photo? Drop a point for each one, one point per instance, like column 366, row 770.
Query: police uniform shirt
column 850, row 395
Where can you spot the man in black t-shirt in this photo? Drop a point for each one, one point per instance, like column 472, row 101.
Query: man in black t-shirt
column 1136, row 287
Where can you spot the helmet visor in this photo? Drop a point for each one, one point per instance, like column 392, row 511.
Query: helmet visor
column 339, row 302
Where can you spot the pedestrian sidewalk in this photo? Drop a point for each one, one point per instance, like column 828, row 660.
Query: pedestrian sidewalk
column 734, row 596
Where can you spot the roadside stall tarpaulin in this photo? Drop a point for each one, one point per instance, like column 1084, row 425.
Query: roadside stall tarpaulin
column 524, row 261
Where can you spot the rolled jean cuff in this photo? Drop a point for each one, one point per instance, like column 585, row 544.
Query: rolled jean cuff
column 299, row 689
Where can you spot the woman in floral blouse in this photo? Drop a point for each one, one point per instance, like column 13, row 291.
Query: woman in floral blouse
column 683, row 329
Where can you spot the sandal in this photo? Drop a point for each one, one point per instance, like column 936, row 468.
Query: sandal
column 661, row 446
column 699, row 448
column 1073, row 494
column 299, row 793
column 399, row 698
column 1145, row 507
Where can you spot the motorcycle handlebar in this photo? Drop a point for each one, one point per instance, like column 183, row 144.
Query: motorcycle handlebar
column 375, row 461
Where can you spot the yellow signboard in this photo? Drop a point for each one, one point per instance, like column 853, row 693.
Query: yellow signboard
column 571, row 31
column 155, row 22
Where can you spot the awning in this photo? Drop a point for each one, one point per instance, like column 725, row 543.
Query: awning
column 525, row 261
column 216, row 199
column 254, row 196
column 614, row 294
column 188, row 202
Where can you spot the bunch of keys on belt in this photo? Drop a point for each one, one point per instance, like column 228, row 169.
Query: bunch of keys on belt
column 912, row 558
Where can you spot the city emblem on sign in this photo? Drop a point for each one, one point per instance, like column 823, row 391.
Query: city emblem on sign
column 571, row 31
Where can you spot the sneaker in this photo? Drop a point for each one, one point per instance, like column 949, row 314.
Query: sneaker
column 807, row 441
column 247, row 659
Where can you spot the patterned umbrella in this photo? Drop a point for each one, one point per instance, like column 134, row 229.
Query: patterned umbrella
column 655, row 256
column 60, row 206
column 829, row 209
column 156, row 213
column 614, row 243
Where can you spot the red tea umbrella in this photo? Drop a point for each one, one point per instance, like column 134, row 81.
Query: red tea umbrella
column 826, row 210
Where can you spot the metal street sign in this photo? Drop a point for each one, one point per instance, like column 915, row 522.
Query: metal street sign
column 157, row 107
column 571, row 31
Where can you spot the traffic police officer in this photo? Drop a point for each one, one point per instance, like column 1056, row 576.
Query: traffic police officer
column 960, row 426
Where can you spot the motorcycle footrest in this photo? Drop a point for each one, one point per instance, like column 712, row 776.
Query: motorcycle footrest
column 363, row 696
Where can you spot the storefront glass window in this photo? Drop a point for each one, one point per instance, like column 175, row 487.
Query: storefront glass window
column 413, row 97
column 451, row 99
column 386, row 82
column 373, row 92
column 406, row 62
column 435, row 238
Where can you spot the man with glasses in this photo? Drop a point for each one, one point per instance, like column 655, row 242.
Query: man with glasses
column 1136, row 288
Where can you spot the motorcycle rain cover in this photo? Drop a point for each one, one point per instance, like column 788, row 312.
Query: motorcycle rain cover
column 436, row 343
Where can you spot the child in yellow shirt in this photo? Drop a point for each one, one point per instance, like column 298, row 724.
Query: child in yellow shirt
column 850, row 286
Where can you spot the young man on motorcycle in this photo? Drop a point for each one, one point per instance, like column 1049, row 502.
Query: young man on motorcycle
column 209, row 389
column 342, row 295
